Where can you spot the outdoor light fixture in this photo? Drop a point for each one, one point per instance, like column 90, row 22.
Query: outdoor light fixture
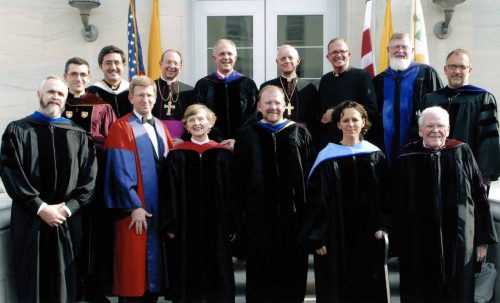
column 443, row 29
column 89, row 31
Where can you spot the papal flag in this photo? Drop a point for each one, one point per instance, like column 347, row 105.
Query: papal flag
column 418, row 34
column 367, row 60
column 387, row 32
column 154, row 50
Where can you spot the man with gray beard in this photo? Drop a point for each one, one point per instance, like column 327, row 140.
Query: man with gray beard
column 400, row 90
column 48, row 167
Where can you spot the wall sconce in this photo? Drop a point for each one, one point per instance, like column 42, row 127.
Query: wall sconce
column 89, row 31
column 443, row 29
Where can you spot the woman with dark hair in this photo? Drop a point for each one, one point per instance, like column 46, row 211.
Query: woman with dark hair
column 197, row 217
column 345, row 196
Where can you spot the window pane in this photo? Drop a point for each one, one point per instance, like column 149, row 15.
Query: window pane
column 305, row 33
column 239, row 29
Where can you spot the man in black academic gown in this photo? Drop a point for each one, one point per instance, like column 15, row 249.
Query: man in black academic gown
column 95, row 116
column 113, row 89
column 400, row 90
column 473, row 113
column 48, row 168
column 172, row 96
column 344, row 83
column 301, row 96
column 228, row 93
column 272, row 159
column 443, row 215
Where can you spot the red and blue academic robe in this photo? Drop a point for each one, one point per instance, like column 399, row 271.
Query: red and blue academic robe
column 132, row 181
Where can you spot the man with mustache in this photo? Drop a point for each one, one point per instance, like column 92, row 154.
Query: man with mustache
column 343, row 83
column 231, row 95
column 172, row 96
column 48, row 167
column 473, row 113
column 113, row 88
column 272, row 158
column 400, row 90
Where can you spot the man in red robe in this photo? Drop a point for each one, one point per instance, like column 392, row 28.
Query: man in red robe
column 136, row 147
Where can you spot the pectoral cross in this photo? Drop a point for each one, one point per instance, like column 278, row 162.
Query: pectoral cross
column 169, row 107
column 289, row 108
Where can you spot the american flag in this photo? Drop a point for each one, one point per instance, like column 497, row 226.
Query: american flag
column 367, row 60
column 135, row 63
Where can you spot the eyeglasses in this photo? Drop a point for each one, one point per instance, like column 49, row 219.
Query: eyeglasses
column 397, row 47
column 338, row 52
column 431, row 127
column 75, row 75
column 454, row 67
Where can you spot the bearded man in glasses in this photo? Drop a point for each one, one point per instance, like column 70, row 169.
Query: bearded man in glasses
column 400, row 90
column 473, row 113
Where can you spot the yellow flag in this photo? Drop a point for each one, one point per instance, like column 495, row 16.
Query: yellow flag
column 154, row 50
column 383, row 61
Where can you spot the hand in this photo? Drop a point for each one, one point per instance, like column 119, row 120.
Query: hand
column 481, row 253
column 177, row 141
column 322, row 251
column 327, row 116
column 229, row 144
column 170, row 235
column 379, row 235
column 138, row 217
column 54, row 215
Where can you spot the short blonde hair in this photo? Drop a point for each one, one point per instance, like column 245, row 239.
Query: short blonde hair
column 195, row 109
column 141, row 81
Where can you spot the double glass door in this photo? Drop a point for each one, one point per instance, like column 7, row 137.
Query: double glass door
column 259, row 27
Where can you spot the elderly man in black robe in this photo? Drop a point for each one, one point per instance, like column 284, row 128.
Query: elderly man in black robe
column 443, row 215
column 473, row 113
column 272, row 159
column 400, row 90
column 231, row 95
column 48, row 168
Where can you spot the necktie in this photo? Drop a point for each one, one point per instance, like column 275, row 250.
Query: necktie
column 150, row 121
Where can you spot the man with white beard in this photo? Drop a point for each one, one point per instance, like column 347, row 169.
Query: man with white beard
column 48, row 167
column 400, row 90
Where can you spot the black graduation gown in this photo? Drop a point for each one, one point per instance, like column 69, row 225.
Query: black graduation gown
column 42, row 162
column 234, row 104
column 118, row 99
column 344, row 203
column 473, row 120
column 353, row 84
column 304, row 100
column 183, row 98
column 426, row 81
column 270, row 171
column 442, row 218
column 199, row 212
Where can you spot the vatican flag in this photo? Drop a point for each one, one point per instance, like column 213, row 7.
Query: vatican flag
column 383, row 62
column 418, row 34
column 154, row 50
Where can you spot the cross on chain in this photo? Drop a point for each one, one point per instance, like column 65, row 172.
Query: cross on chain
column 289, row 108
column 169, row 106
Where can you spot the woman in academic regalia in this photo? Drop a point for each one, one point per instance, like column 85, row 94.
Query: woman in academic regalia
column 345, row 196
column 198, row 217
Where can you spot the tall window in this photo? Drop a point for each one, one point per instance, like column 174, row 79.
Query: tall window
column 239, row 29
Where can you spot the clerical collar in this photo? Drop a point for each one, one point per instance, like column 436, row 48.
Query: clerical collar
column 168, row 81
column 41, row 117
column 139, row 116
column 345, row 70
column 289, row 79
column 200, row 142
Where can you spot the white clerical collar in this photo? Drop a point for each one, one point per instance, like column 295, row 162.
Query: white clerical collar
column 222, row 75
column 139, row 116
column 336, row 75
column 289, row 79
column 199, row 142
column 168, row 81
